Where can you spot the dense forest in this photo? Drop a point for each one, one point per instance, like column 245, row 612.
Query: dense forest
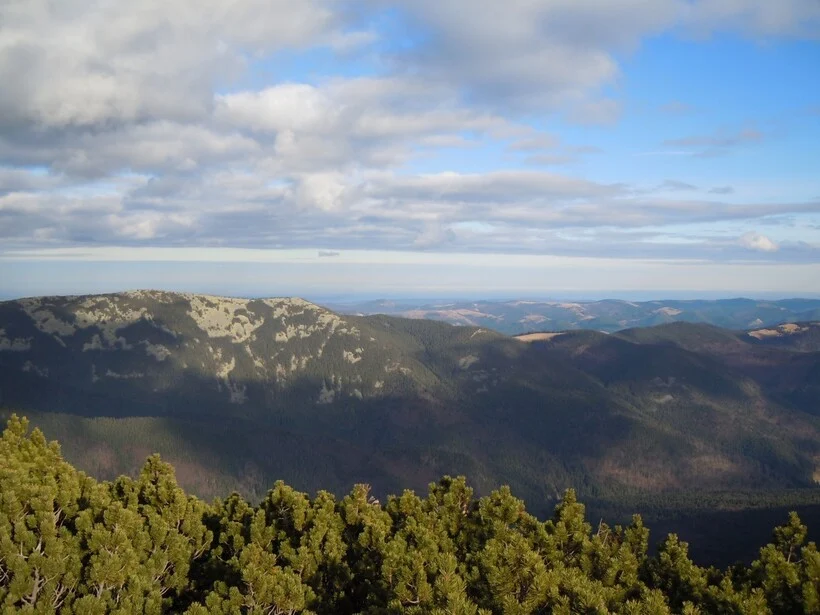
column 71, row 544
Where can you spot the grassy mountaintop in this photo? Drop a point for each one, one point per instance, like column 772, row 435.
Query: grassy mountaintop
column 238, row 393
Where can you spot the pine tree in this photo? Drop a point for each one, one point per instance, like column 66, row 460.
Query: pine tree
column 70, row 544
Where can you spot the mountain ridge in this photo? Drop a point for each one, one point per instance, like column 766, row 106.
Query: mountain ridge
column 610, row 315
column 240, row 392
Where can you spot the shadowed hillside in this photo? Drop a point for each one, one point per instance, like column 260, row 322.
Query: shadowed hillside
column 239, row 393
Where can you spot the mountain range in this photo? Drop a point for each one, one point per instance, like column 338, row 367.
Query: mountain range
column 516, row 317
column 238, row 393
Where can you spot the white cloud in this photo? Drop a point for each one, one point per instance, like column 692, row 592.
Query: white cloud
column 143, row 127
column 560, row 53
column 517, row 211
column 532, row 53
column 324, row 191
column 284, row 107
column 91, row 62
column 756, row 241
column 359, row 108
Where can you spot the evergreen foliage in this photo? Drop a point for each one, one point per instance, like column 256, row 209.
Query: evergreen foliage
column 71, row 544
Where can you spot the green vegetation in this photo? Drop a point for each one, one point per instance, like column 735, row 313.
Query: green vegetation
column 71, row 544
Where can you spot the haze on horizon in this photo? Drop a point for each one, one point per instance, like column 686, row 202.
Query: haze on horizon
column 395, row 147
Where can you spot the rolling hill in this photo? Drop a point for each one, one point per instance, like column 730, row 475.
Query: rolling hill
column 517, row 317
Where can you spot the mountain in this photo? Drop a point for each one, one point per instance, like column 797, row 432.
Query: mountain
column 516, row 317
column 238, row 393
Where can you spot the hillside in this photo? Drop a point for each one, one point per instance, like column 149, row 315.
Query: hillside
column 238, row 393
column 517, row 317
column 783, row 360
column 803, row 336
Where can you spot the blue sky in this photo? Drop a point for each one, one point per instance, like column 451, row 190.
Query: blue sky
column 399, row 147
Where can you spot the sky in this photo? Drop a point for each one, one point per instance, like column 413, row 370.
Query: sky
column 438, row 147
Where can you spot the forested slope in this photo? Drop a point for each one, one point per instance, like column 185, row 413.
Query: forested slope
column 238, row 393
column 141, row 545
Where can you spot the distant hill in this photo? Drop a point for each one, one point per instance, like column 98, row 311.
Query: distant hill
column 803, row 336
column 516, row 317
column 238, row 393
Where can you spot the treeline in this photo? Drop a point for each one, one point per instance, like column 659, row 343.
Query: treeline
column 71, row 544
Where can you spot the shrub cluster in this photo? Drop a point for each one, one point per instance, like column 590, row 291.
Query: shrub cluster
column 71, row 544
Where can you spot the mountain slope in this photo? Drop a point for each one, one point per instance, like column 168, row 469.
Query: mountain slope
column 804, row 336
column 238, row 393
column 783, row 360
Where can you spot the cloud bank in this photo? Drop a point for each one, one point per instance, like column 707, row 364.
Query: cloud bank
column 149, row 124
